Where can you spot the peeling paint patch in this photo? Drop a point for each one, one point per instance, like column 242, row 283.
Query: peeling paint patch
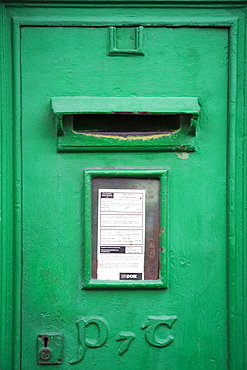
column 182, row 155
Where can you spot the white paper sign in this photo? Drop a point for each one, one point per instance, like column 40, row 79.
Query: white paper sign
column 121, row 234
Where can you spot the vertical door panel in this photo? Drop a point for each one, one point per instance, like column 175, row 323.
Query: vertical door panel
column 73, row 61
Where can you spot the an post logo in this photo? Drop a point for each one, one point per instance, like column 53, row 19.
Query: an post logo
column 130, row 276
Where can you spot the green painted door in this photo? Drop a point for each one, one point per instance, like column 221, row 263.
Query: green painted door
column 184, row 325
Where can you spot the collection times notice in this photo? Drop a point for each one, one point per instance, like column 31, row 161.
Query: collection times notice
column 121, row 234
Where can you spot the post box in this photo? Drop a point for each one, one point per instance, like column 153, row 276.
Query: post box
column 123, row 185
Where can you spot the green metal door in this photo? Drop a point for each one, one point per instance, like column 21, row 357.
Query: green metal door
column 179, row 326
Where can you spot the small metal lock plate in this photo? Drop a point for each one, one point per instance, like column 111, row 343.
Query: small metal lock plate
column 50, row 348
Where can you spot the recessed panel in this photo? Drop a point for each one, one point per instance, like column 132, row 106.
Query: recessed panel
column 126, row 242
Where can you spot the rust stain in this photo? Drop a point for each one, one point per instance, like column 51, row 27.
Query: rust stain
column 122, row 112
column 137, row 112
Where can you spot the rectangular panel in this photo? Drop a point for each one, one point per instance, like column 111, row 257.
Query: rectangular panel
column 126, row 218
column 177, row 62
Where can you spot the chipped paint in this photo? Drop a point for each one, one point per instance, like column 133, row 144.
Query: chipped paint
column 183, row 155
column 131, row 137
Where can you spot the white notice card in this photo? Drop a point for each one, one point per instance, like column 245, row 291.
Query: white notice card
column 121, row 234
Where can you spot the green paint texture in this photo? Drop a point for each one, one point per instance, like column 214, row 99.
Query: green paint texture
column 54, row 56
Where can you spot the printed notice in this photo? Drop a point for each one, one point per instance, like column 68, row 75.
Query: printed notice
column 121, row 234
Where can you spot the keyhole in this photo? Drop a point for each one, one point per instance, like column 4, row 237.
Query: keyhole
column 46, row 339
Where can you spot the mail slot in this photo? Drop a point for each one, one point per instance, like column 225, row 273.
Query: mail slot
column 126, row 124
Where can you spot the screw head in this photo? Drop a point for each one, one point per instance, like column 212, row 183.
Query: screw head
column 45, row 354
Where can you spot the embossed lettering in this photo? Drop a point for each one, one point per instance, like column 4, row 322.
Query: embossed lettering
column 81, row 324
column 102, row 333
column 126, row 337
column 152, row 323
column 150, row 326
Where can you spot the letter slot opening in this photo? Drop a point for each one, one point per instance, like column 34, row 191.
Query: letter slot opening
column 128, row 124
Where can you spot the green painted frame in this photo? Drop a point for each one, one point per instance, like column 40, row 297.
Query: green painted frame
column 87, row 202
column 10, row 161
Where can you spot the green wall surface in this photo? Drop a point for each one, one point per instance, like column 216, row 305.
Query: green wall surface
column 184, row 60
